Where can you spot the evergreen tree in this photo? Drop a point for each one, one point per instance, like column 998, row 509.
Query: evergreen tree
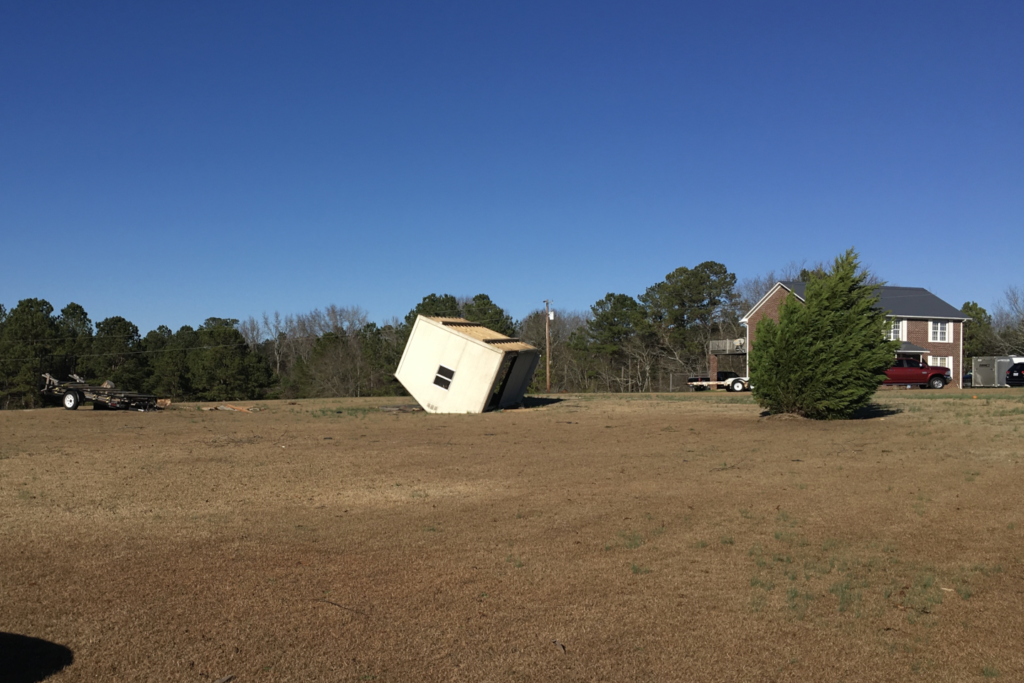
column 689, row 308
column 75, row 331
column 827, row 356
column 489, row 314
column 28, row 347
column 116, row 356
column 223, row 368
column 434, row 306
column 381, row 349
column 979, row 337
column 616, row 320
column 170, row 366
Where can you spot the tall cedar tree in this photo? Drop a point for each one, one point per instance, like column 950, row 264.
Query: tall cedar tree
column 826, row 357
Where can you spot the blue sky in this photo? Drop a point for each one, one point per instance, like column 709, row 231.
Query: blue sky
column 224, row 159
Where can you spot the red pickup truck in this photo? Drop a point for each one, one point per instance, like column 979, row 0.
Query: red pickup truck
column 910, row 371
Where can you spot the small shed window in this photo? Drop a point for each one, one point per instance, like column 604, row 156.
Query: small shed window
column 444, row 377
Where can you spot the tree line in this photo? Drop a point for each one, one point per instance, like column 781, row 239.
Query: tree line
column 649, row 342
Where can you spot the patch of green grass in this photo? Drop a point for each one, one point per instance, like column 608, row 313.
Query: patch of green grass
column 700, row 544
column 744, row 513
column 923, row 594
column 639, row 569
column 989, row 672
column 727, row 540
column 829, row 544
column 846, row 593
column 631, row 539
column 765, row 584
column 419, row 493
column 516, row 562
column 798, row 602
column 783, row 517
column 971, row 476
column 338, row 411
column 785, row 537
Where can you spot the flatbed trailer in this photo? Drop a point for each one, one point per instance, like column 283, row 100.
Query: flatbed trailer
column 73, row 393
column 733, row 383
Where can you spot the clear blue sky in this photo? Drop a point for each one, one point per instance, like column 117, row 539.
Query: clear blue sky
column 170, row 163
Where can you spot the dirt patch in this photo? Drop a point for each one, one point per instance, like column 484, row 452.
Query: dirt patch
column 673, row 537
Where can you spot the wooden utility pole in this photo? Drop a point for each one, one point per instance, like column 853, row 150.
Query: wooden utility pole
column 547, row 339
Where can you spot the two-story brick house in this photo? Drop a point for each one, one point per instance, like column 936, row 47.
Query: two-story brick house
column 930, row 329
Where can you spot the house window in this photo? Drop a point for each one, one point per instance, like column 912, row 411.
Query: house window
column 895, row 331
column 940, row 361
column 444, row 377
column 938, row 331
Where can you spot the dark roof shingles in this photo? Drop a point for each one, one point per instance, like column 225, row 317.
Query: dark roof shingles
column 903, row 302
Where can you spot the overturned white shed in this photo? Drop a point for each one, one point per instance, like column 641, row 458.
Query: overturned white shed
column 451, row 365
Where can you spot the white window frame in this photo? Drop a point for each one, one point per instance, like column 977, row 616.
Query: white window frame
column 933, row 329
column 946, row 362
column 899, row 326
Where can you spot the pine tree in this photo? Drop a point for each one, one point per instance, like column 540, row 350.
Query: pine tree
column 827, row 356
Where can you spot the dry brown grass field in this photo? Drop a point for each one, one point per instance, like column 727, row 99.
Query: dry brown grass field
column 655, row 538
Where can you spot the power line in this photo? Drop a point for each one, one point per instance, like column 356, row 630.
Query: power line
column 127, row 353
column 93, row 336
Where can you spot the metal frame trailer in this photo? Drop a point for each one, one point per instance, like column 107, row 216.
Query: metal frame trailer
column 73, row 393
column 732, row 384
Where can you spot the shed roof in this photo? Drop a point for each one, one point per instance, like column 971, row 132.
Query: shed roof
column 478, row 332
column 902, row 302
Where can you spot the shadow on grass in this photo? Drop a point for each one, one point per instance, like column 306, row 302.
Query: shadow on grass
column 868, row 412
column 537, row 401
column 29, row 660
column 875, row 410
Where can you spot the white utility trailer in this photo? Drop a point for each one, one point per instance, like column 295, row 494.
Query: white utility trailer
column 990, row 371
column 729, row 381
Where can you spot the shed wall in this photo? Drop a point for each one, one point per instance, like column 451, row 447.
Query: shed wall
column 475, row 366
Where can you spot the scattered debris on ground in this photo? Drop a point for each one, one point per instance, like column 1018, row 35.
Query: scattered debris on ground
column 409, row 408
column 237, row 409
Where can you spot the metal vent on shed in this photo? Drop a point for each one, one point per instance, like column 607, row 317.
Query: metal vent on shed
column 444, row 377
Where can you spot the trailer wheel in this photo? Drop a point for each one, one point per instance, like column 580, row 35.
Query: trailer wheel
column 737, row 385
column 71, row 400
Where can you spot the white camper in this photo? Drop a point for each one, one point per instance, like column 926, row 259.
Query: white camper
column 452, row 365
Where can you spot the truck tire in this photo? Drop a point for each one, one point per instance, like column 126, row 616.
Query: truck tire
column 737, row 386
column 71, row 400
column 936, row 382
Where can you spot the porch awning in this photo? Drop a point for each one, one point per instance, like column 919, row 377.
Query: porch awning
column 907, row 347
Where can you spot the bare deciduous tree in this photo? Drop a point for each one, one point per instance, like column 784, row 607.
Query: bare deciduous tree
column 1008, row 321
